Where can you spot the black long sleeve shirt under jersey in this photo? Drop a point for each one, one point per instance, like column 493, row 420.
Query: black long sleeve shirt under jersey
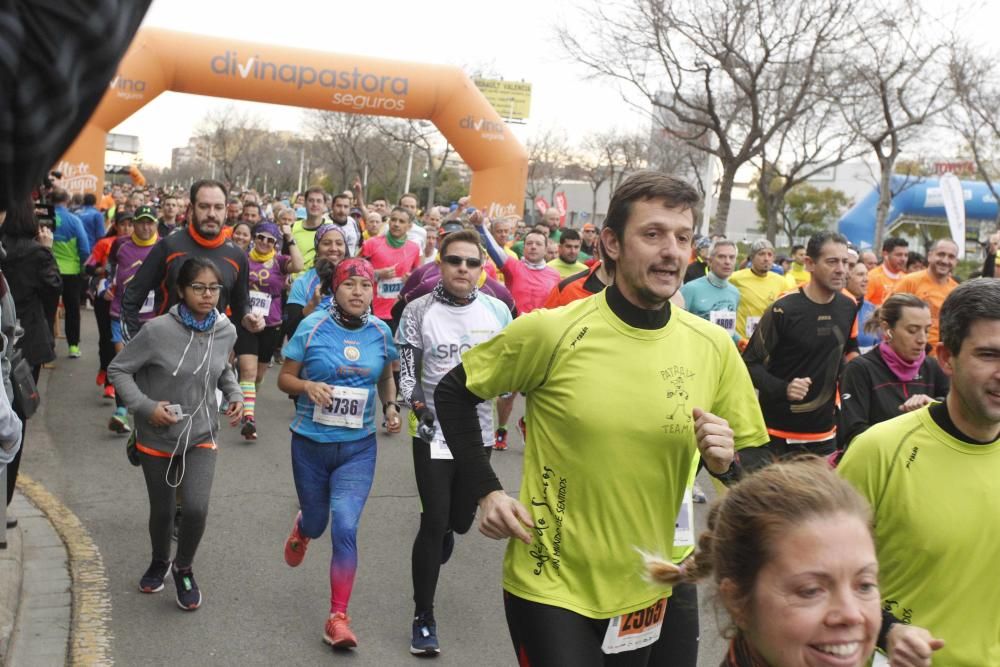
column 871, row 393
column 799, row 338
column 160, row 269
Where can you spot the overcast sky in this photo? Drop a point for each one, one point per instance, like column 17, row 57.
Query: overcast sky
column 513, row 39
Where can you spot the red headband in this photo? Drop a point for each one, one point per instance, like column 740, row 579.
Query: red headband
column 351, row 268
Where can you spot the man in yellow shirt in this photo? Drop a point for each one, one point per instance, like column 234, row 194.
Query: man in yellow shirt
column 883, row 278
column 934, row 283
column 650, row 385
column 568, row 263
column 932, row 477
column 796, row 276
column 759, row 286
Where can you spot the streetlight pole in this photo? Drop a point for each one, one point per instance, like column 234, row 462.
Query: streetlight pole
column 409, row 171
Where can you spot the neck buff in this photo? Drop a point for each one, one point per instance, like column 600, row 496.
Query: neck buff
column 144, row 244
column 537, row 266
column 446, row 297
column 202, row 241
column 900, row 367
column 393, row 243
column 261, row 258
column 188, row 318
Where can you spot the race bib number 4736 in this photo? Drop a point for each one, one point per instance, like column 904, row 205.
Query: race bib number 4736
column 347, row 409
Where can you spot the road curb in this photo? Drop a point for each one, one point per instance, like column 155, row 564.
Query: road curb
column 90, row 636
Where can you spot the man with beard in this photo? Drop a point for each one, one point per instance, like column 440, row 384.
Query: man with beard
column 203, row 237
column 934, row 283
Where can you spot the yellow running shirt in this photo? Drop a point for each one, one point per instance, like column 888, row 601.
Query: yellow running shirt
column 936, row 504
column 756, row 294
column 610, row 442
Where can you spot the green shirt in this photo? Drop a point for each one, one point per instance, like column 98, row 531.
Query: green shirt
column 600, row 482
column 936, row 507
column 566, row 270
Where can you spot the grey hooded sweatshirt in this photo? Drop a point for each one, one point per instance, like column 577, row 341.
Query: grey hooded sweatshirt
column 174, row 363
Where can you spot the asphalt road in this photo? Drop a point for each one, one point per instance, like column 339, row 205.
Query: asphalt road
column 257, row 610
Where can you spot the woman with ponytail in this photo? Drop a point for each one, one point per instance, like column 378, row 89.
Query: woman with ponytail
column 791, row 551
column 339, row 357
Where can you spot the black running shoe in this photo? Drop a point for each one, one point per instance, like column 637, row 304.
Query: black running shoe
column 188, row 595
column 152, row 580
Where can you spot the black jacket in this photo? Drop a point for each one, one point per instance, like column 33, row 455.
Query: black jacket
column 34, row 278
column 871, row 393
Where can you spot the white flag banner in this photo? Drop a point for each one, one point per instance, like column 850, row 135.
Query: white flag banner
column 954, row 207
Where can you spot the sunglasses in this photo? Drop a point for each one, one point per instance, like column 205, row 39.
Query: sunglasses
column 455, row 260
column 200, row 288
column 260, row 238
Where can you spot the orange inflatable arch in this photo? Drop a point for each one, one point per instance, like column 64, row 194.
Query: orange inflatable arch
column 160, row 60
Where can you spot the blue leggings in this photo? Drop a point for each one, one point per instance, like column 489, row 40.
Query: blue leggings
column 333, row 480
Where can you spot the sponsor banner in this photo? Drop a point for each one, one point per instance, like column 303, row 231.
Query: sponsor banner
column 511, row 99
column 541, row 204
column 561, row 207
column 954, row 207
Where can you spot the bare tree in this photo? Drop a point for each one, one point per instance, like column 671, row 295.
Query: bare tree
column 340, row 138
column 977, row 97
column 892, row 86
column 548, row 155
column 233, row 138
column 606, row 157
column 419, row 136
column 723, row 76
column 816, row 141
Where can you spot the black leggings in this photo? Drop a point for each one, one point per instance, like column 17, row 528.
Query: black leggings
column 106, row 349
column 547, row 636
column 72, row 286
column 435, row 484
column 194, row 492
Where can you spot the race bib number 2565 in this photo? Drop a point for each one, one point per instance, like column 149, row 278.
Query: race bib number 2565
column 634, row 630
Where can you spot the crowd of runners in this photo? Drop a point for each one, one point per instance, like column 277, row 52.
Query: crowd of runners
column 852, row 404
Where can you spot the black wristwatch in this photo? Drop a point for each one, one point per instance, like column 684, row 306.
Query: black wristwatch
column 732, row 475
column 385, row 406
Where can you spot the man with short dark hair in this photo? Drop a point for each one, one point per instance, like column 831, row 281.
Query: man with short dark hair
column 797, row 275
column 796, row 353
column 234, row 209
column 340, row 215
column 932, row 477
column 572, row 575
column 251, row 213
column 304, row 229
column 568, row 263
column 883, row 278
column 168, row 215
column 203, row 237
column 529, row 279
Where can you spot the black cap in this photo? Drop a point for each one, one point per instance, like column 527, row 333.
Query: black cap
column 122, row 216
column 449, row 227
column 146, row 212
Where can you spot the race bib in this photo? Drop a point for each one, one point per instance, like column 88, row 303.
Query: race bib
column 390, row 288
column 347, row 409
column 439, row 448
column 752, row 323
column 725, row 319
column 260, row 303
column 684, row 526
column 635, row 630
column 148, row 304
